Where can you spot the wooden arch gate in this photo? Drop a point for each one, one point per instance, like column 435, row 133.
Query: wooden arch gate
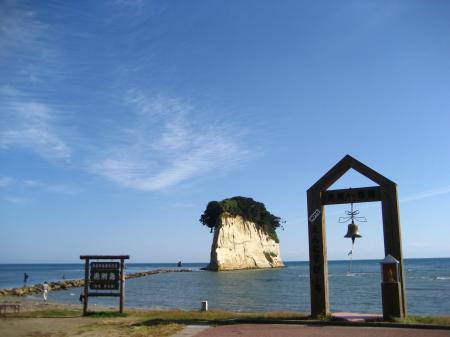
column 318, row 196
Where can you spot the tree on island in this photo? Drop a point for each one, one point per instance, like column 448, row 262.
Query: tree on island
column 247, row 208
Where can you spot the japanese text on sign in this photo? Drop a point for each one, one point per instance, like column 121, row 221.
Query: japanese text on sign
column 104, row 275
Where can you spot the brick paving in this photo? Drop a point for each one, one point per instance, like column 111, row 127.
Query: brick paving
column 289, row 330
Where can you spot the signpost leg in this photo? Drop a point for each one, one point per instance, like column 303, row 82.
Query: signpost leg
column 86, row 287
column 122, row 279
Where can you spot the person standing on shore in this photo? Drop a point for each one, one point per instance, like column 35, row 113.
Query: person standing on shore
column 45, row 288
column 25, row 279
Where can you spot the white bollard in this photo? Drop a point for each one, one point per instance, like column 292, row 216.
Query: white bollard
column 204, row 305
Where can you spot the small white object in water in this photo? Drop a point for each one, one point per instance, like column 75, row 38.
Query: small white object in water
column 72, row 294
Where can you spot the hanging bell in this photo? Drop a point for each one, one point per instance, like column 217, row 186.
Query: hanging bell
column 352, row 232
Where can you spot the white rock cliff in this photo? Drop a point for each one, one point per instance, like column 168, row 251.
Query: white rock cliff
column 241, row 244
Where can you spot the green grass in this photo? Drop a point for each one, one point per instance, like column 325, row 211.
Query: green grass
column 184, row 317
column 436, row 320
column 50, row 313
column 163, row 316
column 106, row 314
column 213, row 316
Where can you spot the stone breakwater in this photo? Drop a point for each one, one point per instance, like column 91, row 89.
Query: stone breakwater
column 66, row 284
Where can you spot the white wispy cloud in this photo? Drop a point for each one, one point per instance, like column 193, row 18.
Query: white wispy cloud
column 27, row 45
column 19, row 28
column 167, row 144
column 28, row 54
column 138, row 4
column 6, row 181
column 53, row 188
column 426, row 194
column 31, row 125
column 14, row 200
column 160, row 141
column 138, row 8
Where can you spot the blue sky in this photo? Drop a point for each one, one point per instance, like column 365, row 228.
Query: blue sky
column 121, row 120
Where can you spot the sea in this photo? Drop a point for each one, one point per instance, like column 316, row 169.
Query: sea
column 285, row 289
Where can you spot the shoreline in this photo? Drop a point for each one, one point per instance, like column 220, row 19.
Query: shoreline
column 77, row 283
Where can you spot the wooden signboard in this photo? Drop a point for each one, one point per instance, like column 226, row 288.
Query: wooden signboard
column 104, row 278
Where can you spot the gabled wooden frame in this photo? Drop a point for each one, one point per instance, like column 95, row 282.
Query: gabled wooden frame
column 318, row 197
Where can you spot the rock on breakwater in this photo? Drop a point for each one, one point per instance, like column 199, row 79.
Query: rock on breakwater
column 66, row 284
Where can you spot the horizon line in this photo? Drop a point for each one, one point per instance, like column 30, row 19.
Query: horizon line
column 168, row 263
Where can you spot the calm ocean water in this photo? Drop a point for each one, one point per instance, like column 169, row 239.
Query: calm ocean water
column 427, row 284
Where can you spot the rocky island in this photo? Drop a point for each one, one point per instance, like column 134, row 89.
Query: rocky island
column 244, row 235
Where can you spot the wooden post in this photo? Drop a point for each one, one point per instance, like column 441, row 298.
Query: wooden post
column 393, row 244
column 318, row 264
column 391, row 300
column 122, row 284
column 86, row 287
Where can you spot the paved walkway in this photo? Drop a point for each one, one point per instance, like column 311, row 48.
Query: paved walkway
column 355, row 317
column 191, row 330
column 289, row 330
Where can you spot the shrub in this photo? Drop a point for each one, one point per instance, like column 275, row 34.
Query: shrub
column 247, row 208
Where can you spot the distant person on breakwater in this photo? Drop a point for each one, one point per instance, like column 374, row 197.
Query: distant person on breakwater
column 45, row 288
column 25, row 279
